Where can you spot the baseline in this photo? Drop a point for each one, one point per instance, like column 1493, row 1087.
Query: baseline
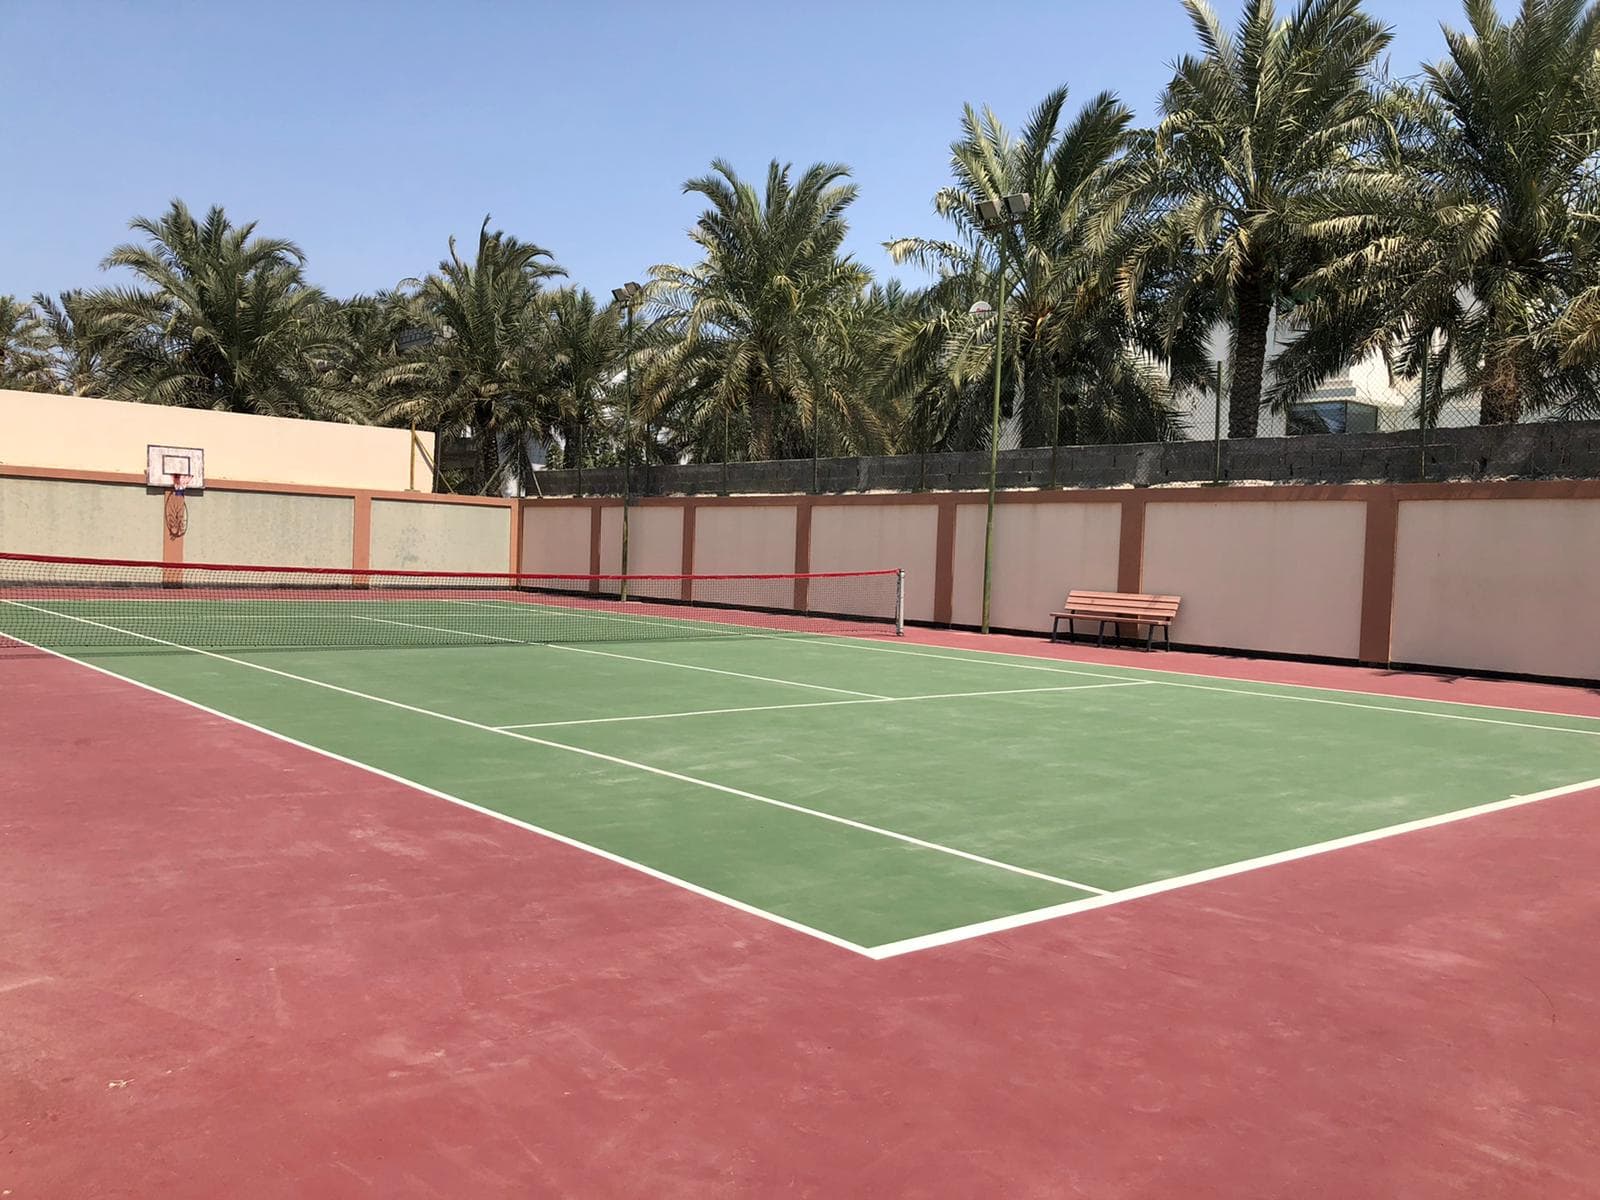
column 1194, row 878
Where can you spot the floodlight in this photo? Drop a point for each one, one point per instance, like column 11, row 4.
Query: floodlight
column 1017, row 205
column 989, row 211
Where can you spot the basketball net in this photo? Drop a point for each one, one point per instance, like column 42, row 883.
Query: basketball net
column 177, row 507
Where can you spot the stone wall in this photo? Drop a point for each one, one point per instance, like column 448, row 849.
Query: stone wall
column 1554, row 450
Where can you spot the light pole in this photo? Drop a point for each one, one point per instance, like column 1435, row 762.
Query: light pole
column 628, row 296
column 998, row 217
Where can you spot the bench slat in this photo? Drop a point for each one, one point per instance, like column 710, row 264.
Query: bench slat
column 1127, row 606
column 1121, row 608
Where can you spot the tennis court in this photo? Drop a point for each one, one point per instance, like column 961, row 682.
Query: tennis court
column 809, row 766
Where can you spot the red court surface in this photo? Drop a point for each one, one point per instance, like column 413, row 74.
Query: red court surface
column 288, row 977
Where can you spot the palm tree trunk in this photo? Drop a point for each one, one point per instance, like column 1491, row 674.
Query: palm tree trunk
column 1068, row 418
column 488, row 448
column 1249, row 356
column 763, row 424
column 1502, row 398
column 1037, row 416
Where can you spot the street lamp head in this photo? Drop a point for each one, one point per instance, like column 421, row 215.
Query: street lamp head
column 1018, row 204
column 989, row 211
column 628, row 293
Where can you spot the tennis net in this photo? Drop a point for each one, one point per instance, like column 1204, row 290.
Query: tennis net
column 95, row 604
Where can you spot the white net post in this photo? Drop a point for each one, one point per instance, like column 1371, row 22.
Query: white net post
column 900, row 602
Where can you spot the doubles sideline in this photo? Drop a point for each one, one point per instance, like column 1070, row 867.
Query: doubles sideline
column 1149, row 675
column 582, row 751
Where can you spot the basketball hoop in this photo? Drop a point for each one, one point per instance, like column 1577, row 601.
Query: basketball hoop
column 175, row 469
column 177, row 507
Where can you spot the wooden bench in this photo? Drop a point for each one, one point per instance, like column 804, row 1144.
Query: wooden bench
column 1111, row 608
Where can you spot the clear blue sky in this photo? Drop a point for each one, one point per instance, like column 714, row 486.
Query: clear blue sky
column 370, row 132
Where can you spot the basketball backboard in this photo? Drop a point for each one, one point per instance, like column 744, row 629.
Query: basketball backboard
column 175, row 466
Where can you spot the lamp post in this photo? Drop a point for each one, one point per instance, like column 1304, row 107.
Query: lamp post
column 628, row 296
column 414, row 337
column 998, row 216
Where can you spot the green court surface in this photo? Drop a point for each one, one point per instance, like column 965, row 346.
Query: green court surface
column 868, row 790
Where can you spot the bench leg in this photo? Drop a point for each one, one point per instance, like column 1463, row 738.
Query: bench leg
column 1055, row 628
column 1101, row 640
column 1150, row 637
column 1166, row 636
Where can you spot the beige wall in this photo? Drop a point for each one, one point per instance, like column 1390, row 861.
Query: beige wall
column 655, row 546
column 1281, row 576
column 1502, row 585
column 867, row 537
column 744, row 540
column 84, row 434
column 1041, row 551
column 90, row 520
column 1492, row 582
column 555, row 539
column 269, row 529
column 421, row 536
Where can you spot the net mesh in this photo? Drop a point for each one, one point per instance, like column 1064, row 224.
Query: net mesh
column 73, row 604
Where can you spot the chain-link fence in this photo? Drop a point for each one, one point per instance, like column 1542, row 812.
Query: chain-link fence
column 1366, row 424
column 1367, row 397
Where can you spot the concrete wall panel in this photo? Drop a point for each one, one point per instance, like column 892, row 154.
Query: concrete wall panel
column 1280, row 576
column 423, row 536
column 1041, row 551
column 746, row 539
column 92, row 520
column 80, row 433
column 555, row 539
column 1500, row 585
column 655, row 546
column 269, row 529
column 868, row 537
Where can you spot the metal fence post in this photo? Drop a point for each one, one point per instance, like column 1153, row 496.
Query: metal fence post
column 1216, row 429
column 816, row 445
column 1422, row 421
column 1055, row 435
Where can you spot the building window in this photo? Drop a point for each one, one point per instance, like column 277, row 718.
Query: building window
column 1333, row 416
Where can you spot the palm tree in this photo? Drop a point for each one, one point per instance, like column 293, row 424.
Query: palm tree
column 366, row 338
column 224, row 320
column 25, row 362
column 1476, row 237
column 586, row 346
column 486, row 373
column 754, row 328
column 79, row 366
column 1255, row 131
column 1084, row 366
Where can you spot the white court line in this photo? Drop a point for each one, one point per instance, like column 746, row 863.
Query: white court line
column 965, row 932
column 609, row 856
column 740, row 793
column 441, row 629
column 717, row 712
column 660, row 662
column 1233, row 691
column 663, row 662
column 1101, row 899
column 543, row 603
column 1034, row 662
